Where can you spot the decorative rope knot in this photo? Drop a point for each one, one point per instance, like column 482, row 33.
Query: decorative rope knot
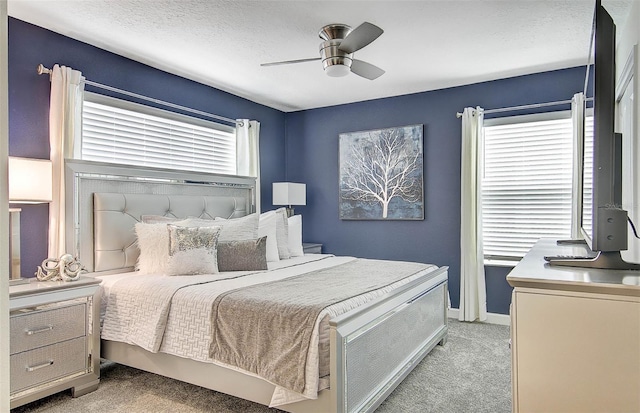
column 66, row 268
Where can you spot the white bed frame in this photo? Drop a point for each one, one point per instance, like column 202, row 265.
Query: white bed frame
column 372, row 347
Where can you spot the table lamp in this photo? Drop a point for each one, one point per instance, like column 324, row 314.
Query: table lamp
column 30, row 182
column 289, row 193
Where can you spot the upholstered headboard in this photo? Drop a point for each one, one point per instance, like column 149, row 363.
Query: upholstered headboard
column 105, row 201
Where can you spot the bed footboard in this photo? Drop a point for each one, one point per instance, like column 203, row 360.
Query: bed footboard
column 375, row 347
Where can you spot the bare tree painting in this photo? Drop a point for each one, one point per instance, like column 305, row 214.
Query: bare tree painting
column 381, row 174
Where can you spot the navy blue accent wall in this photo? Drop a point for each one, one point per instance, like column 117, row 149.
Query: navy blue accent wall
column 498, row 289
column 31, row 45
column 312, row 158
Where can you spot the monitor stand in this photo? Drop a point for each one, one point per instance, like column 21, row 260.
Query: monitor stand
column 609, row 260
column 571, row 242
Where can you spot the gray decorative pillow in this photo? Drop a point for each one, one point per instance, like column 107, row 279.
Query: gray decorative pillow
column 192, row 250
column 243, row 255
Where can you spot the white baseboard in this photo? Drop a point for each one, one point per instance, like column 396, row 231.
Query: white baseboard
column 492, row 318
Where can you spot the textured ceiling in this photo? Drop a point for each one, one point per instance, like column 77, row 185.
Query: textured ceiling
column 426, row 45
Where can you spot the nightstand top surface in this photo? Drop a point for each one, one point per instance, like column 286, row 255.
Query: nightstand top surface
column 35, row 287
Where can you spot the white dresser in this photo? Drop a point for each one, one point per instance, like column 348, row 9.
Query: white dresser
column 575, row 336
column 54, row 338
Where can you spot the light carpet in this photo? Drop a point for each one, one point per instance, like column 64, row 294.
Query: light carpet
column 471, row 373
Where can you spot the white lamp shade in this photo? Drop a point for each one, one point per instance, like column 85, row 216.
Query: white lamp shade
column 30, row 180
column 289, row 193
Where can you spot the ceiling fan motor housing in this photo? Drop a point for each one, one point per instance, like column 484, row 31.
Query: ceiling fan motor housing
column 336, row 63
column 334, row 31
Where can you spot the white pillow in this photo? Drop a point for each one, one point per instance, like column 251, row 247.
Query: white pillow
column 192, row 250
column 267, row 228
column 153, row 242
column 295, row 236
column 238, row 229
column 195, row 222
column 158, row 219
column 153, row 239
column 282, row 233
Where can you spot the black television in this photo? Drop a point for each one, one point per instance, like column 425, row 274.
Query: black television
column 603, row 221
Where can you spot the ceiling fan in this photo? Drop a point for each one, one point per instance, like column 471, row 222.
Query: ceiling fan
column 336, row 50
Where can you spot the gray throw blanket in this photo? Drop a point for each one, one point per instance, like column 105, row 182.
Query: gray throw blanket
column 266, row 328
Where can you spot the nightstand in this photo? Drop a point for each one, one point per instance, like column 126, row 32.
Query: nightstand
column 54, row 338
column 311, row 248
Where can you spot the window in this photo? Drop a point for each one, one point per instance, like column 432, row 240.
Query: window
column 123, row 132
column 526, row 182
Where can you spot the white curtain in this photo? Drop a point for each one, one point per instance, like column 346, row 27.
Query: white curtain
column 65, row 116
column 473, row 295
column 248, row 152
column 577, row 119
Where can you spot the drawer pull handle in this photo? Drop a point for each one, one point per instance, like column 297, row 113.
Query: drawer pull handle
column 39, row 330
column 40, row 366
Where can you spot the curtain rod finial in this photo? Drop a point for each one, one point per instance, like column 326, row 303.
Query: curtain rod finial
column 42, row 70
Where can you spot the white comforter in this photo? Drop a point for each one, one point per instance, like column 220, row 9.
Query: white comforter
column 181, row 325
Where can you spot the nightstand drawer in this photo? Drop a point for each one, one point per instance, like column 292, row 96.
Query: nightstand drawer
column 40, row 328
column 312, row 248
column 42, row 365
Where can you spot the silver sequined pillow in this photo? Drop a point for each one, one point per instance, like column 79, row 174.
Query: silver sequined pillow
column 243, row 255
column 192, row 250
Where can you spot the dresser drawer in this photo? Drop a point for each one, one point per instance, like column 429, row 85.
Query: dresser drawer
column 41, row 328
column 44, row 364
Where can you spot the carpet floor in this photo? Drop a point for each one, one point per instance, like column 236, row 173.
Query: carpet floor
column 471, row 373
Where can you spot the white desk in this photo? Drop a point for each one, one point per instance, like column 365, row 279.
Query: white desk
column 575, row 336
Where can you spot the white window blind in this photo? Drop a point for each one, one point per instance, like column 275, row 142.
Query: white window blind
column 526, row 184
column 119, row 131
column 587, row 186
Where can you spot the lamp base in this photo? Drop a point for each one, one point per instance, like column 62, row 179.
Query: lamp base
column 14, row 243
column 290, row 211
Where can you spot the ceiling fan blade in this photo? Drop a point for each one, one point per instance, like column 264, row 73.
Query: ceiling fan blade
column 286, row 62
column 360, row 37
column 366, row 70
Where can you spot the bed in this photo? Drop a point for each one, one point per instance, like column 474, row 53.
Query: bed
column 360, row 348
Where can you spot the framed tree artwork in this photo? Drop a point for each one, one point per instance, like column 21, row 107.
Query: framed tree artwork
column 381, row 174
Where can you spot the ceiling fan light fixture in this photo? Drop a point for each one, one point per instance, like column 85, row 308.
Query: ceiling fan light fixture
column 337, row 70
column 335, row 62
